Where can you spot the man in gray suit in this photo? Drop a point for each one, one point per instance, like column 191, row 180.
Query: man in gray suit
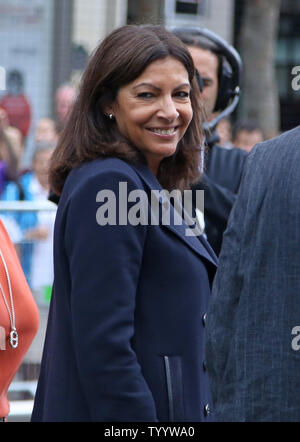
column 253, row 323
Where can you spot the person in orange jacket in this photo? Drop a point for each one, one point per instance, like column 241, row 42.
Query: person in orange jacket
column 19, row 318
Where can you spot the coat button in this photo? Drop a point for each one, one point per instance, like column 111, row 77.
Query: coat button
column 204, row 319
column 206, row 410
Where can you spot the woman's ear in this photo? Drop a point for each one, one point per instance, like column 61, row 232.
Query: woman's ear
column 109, row 112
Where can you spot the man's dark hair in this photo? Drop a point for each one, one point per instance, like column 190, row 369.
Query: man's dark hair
column 202, row 42
column 246, row 125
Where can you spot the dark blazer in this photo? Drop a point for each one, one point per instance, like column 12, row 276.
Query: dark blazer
column 223, row 173
column 255, row 309
column 125, row 337
column 225, row 166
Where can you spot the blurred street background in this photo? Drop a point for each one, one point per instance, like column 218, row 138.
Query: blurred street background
column 45, row 46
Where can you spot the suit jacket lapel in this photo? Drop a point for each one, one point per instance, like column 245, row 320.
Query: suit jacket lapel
column 196, row 241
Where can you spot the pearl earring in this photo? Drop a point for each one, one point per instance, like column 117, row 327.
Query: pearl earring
column 110, row 116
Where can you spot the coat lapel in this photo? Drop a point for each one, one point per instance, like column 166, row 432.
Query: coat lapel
column 196, row 241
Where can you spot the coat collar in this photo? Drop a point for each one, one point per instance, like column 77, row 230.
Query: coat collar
column 196, row 242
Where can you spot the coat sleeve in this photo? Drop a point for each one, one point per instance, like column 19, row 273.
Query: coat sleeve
column 105, row 263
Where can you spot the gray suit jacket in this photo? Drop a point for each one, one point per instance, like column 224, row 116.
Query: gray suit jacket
column 253, row 323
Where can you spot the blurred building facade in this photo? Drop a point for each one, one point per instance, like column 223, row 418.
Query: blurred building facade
column 49, row 41
column 92, row 23
column 287, row 56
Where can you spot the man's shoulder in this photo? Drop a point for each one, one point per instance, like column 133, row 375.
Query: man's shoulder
column 281, row 152
column 275, row 162
column 291, row 135
column 284, row 143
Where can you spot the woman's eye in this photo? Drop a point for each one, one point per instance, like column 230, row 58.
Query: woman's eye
column 182, row 94
column 145, row 95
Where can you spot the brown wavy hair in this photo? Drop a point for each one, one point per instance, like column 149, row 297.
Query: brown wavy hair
column 90, row 134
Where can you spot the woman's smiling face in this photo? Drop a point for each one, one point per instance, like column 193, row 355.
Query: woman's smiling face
column 155, row 110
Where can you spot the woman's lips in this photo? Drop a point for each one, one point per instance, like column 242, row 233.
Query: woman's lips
column 163, row 132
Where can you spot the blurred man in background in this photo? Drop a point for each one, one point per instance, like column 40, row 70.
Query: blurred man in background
column 46, row 130
column 223, row 167
column 224, row 131
column 246, row 134
column 64, row 99
column 16, row 103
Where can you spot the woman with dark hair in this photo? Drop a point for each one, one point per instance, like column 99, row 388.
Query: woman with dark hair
column 125, row 331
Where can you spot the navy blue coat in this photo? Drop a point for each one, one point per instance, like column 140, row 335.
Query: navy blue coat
column 125, row 333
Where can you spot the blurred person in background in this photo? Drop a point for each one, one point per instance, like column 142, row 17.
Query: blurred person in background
column 246, row 134
column 223, row 167
column 36, row 183
column 16, row 103
column 46, row 130
column 35, row 187
column 224, row 130
column 10, row 152
column 124, row 341
column 64, row 101
column 32, row 233
column 37, row 248
column 10, row 149
column 17, row 144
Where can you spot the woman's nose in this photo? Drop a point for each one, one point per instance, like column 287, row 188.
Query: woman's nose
column 168, row 109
